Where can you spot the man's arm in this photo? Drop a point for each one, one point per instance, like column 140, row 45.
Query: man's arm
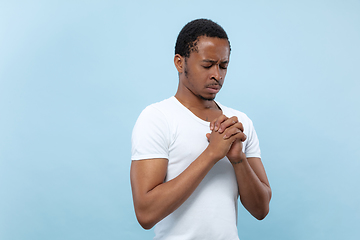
column 154, row 199
column 253, row 184
column 254, row 187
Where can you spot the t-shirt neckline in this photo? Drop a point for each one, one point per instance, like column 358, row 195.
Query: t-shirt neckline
column 191, row 113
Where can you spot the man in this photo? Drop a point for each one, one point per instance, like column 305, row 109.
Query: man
column 191, row 156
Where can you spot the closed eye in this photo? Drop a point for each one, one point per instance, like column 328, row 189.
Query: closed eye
column 207, row 67
column 223, row 65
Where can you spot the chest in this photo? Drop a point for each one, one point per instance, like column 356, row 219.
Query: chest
column 207, row 114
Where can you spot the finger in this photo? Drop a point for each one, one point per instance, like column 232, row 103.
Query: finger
column 218, row 121
column 212, row 124
column 229, row 132
column 227, row 123
column 234, row 133
column 239, row 125
column 208, row 136
column 240, row 136
column 244, row 137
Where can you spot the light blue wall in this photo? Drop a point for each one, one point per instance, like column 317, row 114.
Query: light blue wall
column 74, row 75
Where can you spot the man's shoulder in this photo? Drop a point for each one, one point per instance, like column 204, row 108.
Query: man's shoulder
column 164, row 110
column 163, row 106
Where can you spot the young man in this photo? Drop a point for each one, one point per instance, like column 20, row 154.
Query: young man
column 191, row 156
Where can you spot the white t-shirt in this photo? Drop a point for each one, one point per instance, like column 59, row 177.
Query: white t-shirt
column 168, row 129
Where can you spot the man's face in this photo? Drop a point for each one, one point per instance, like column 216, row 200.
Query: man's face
column 205, row 69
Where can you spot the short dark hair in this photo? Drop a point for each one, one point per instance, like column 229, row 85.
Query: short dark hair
column 190, row 33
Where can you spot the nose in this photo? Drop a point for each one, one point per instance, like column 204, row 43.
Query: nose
column 216, row 73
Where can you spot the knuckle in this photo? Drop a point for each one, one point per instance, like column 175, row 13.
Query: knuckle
column 240, row 126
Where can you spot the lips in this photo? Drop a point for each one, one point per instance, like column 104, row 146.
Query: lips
column 213, row 88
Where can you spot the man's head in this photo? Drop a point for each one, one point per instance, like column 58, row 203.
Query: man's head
column 189, row 35
column 202, row 55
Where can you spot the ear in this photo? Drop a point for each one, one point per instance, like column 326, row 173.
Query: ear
column 179, row 62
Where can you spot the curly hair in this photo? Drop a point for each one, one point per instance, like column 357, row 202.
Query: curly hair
column 190, row 33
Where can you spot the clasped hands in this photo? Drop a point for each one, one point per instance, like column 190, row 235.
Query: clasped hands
column 226, row 137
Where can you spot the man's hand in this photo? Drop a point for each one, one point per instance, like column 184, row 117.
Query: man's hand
column 226, row 138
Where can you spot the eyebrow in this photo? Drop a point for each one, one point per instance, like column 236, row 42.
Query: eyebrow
column 212, row 61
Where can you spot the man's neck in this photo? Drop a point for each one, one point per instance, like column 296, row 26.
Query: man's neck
column 195, row 102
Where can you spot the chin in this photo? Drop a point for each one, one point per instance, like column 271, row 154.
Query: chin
column 207, row 98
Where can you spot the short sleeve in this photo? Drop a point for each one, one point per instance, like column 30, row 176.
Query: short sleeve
column 252, row 148
column 150, row 136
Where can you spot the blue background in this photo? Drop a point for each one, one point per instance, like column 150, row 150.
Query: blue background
column 75, row 75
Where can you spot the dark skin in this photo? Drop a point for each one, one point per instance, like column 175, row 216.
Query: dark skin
column 201, row 76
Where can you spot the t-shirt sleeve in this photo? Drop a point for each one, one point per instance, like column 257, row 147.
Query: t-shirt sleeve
column 150, row 136
column 252, row 148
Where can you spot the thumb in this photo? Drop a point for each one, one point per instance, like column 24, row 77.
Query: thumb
column 208, row 136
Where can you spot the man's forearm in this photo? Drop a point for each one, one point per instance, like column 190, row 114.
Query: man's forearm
column 255, row 194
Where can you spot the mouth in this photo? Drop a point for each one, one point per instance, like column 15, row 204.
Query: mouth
column 214, row 88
